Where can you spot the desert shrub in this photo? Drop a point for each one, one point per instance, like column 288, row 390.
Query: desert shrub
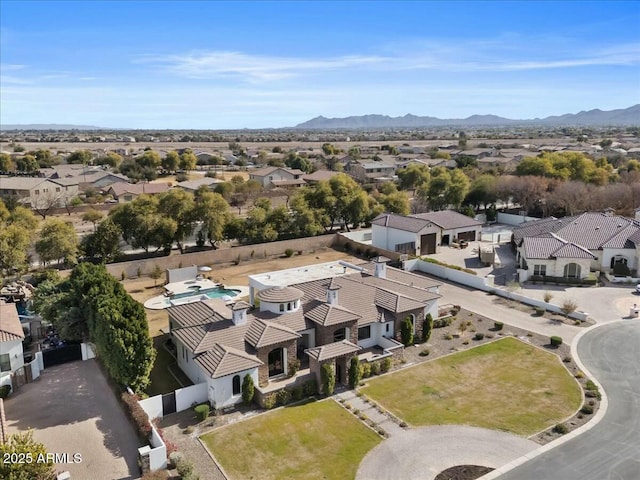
column 591, row 386
column 447, row 336
column 591, row 394
column 566, row 359
column 288, row 252
column 403, row 424
column 137, row 414
column 294, row 366
column 184, row 468
column 375, row 368
column 424, row 352
column 442, row 322
column 547, row 297
column 309, row 388
column 297, row 393
column 586, row 409
column 556, row 341
column 362, row 416
column 189, row 430
column 5, row 390
column 354, row 372
column 498, row 325
column 385, row 366
column 328, row 377
column 427, row 327
column 347, row 406
column 579, row 375
column 202, row 411
column 381, row 432
column 269, row 401
column 175, row 457
column 478, row 336
column 561, row 428
column 539, row 311
column 248, row 389
column 283, row 397
column 182, row 177
column 466, row 342
column 366, row 370
column 406, row 332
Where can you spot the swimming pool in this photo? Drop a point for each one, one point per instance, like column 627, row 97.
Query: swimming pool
column 217, row 292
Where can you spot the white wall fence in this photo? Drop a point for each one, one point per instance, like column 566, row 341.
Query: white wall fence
column 88, row 351
column 185, row 398
column 511, row 219
column 484, row 283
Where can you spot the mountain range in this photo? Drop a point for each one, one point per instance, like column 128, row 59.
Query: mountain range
column 625, row 116
column 48, row 126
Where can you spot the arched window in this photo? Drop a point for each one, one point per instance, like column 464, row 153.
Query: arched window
column 572, row 270
column 236, row 385
column 282, row 307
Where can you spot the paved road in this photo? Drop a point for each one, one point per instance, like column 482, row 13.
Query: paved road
column 72, row 409
column 422, row 453
column 611, row 449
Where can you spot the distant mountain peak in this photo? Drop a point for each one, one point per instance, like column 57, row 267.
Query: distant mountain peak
column 626, row 116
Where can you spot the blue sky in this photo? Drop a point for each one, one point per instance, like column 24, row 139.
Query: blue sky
column 227, row 65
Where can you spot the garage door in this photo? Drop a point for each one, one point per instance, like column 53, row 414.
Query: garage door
column 428, row 244
column 469, row 236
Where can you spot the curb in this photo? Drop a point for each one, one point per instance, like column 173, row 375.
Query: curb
column 602, row 410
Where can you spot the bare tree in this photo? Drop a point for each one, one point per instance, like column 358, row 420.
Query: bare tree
column 568, row 307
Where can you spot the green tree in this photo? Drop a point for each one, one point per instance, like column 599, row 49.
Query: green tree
column 329, row 149
column 171, row 161
column 212, row 210
column 17, row 229
column 188, row 161
column 27, row 163
column 482, row 191
column 414, row 175
column 458, row 188
column 156, row 273
column 6, row 164
column 305, row 221
column 93, row 216
column 248, row 389
column 57, row 242
column 35, row 464
column 435, row 192
column 328, row 377
column 427, row 327
column 149, row 159
column 406, row 332
column 45, row 158
column 104, row 243
column 178, row 205
column 82, row 157
column 354, row 372
column 296, row 161
column 111, row 159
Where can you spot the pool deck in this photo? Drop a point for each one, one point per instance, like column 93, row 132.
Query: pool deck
column 161, row 301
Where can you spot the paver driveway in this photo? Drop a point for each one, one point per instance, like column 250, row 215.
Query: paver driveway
column 72, row 410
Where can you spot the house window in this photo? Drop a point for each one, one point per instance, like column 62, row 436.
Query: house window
column 388, row 327
column 406, row 247
column 540, row 270
column 57, row 189
column 289, row 307
column 339, row 334
column 282, row 307
column 572, row 270
column 5, row 363
column 364, row 332
column 236, row 385
column 37, row 192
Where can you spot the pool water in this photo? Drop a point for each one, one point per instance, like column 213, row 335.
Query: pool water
column 217, row 292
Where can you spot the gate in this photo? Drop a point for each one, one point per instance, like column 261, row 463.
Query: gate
column 169, row 403
column 56, row 356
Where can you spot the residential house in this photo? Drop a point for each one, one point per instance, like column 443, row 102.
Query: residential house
column 11, row 337
column 273, row 177
column 319, row 176
column 573, row 246
column 193, row 185
column 38, row 192
column 371, row 171
column 422, row 233
column 306, row 324
column 126, row 192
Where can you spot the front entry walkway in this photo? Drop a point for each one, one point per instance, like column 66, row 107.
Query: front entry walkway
column 421, row 453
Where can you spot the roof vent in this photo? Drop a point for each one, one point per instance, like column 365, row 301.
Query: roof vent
column 597, row 228
column 619, row 225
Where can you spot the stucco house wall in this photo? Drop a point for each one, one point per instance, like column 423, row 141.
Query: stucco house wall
column 14, row 350
column 221, row 389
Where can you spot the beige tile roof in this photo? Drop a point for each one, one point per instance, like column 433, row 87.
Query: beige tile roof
column 406, row 278
column 222, row 360
column 332, row 350
column 279, row 294
column 10, row 328
column 262, row 334
column 326, row 315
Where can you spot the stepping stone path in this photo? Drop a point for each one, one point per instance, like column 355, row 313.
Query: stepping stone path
column 381, row 420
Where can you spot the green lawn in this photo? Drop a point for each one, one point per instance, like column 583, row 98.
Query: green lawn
column 503, row 385
column 317, row 440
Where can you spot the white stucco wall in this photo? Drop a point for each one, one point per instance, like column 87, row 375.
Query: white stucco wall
column 221, row 389
column 455, row 231
column 188, row 365
column 187, row 396
column 14, row 349
column 609, row 253
column 372, row 341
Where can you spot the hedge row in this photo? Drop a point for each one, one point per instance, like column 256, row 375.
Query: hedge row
column 137, row 414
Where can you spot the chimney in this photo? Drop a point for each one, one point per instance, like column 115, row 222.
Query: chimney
column 380, row 270
column 332, row 293
column 239, row 312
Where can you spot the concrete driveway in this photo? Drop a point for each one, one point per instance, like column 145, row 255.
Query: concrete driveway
column 72, row 409
column 422, row 453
